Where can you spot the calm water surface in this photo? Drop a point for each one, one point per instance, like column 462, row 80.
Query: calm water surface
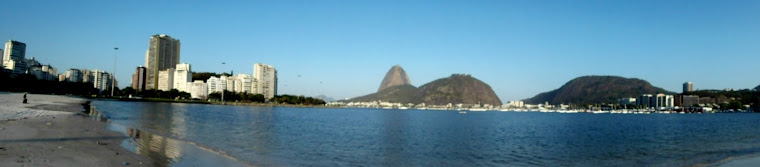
column 193, row 134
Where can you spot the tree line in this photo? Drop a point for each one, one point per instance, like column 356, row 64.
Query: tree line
column 30, row 83
column 259, row 98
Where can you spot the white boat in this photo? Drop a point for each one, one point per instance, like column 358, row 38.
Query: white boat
column 600, row 112
column 402, row 108
column 477, row 109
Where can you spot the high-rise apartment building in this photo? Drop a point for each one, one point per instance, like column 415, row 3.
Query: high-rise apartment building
column 211, row 84
column 182, row 77
column 166, row 79
column 231, row 83
column 661, row 101
column 101, row 80
column 13, row 57
column 198, row 90
column 264, row 80
column 86, row 75
column 688, row 87
column 73, row 75
column 162, row 54
column 138, row 79
column 221, row 85
column 217, row 84
column 645, row 100
column 244, row 83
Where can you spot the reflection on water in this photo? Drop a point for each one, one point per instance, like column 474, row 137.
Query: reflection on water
column 162, row 150
column 96, row 115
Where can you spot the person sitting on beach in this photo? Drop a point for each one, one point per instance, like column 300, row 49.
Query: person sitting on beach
column 24, row 98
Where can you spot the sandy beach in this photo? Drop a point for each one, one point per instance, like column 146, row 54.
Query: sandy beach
column 51, row 130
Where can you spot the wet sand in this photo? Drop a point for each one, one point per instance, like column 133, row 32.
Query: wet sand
column 52, row 131
column 742, row 162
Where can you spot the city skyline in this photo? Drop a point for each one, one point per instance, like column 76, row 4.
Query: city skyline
column 342, row 50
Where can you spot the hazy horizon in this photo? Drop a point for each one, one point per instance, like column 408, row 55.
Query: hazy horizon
column 343, row 49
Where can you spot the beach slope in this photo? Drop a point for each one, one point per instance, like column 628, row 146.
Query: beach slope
column 52, row 131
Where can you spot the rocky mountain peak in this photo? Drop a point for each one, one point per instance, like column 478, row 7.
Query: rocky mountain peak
column 396, row 76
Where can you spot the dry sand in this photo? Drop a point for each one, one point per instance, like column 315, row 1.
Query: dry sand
column 52, row 131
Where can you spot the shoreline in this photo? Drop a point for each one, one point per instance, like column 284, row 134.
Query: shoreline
column 215, row 103
column 53, row 130
column 750, row 160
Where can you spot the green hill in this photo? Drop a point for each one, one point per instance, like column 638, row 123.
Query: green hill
column 596, row 89
column 457, row 88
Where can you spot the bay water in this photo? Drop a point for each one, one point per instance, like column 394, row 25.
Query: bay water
column 176, row 134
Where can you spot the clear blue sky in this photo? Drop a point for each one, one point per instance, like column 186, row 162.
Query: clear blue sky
column 520, row 48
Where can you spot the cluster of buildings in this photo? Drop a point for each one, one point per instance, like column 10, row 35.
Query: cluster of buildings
column 162, row 71
column 648, row 101
column 100, row 80
column 661, row 101
column 15, row 62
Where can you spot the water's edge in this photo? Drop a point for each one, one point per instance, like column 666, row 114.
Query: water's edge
column 185, row 152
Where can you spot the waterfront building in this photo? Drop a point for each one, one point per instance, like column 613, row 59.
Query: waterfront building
column 163, row 53
column 138, row 79
column 217, row 84
column 514, row 104
column 627, row 101
column 183, row 76
column 230, row 86
column 644, row 100
column 669, row 101
column 86, row 75
column 61, row 77
column 662, row 101
column 101, row 80
column 658, row 101
column 238, row 84
column 688, row 87
column 13, row 57
column 198, row 90
column 211, row 84
column 51, row 73
column 73, row 75
column 690, row 100
column 165, row 79
column 244, row 83
column 222, row 84
column 264, row 80
column 43, row 72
